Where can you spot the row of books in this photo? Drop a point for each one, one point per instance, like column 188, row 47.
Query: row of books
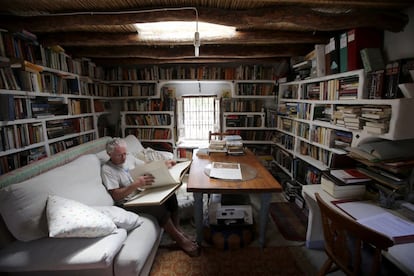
column 337, row 89
column 18, row 78
column 302, row 130
column 148, row 119
column 242, row 105
column 322, row 155
column 11, row 162
column 256, row 89
column 68, row 143
column 132, row 90
column 79, row 106
column 145, row 105
column 285, row 124
column 283, row 158
column 305, row 173
column 62, row 127
column 24, row 45
column 18, row 136
column 242, row 72
column 14, row 107
column 287, row 141
column 331, row 138
column 244, row 121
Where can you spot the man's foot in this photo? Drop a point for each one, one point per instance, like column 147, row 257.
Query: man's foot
column 191, row 248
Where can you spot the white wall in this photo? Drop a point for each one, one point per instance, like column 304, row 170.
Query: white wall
column 401, row 45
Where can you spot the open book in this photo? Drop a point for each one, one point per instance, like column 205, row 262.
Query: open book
column 163, row 175
column 167, row 181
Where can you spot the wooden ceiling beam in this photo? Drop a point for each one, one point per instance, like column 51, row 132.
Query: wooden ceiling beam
column 397, row 4
column 185, row 52
column 190, row 61
column 124, row 39
column 313, row 19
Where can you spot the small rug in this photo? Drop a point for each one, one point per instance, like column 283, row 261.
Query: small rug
column 212, row 261
column 290, row 220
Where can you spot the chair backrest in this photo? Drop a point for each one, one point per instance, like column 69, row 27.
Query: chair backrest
column 216, row 135
column 345, row 239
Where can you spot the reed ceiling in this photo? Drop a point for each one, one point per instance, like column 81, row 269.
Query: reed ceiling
column 267, row 31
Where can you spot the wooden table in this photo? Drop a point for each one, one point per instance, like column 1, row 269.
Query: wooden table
column 199, row 183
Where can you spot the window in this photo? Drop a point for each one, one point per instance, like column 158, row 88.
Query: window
column 197, row 115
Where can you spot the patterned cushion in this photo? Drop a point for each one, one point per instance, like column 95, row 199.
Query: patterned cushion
column 71, row 219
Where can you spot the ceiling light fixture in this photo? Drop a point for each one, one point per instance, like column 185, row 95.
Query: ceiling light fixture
column 196, row 42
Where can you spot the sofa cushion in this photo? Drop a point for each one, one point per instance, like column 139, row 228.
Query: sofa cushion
column 102, row 156
column 71, row 219
column 121, row 217
column 138, row 248
column 133, row 144
column 62, row 254
column 23, row 205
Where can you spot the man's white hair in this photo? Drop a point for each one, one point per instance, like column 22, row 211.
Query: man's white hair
column 115, row 142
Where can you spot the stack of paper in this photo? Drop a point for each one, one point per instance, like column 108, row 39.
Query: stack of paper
column 223, row 170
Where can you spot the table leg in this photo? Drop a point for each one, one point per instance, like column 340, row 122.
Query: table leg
column 264, row 217
column 198, row 216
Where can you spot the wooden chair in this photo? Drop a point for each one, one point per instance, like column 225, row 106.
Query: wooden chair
column 216, row 135
column 345, row 240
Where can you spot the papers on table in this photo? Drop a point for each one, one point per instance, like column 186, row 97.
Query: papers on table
column 223, row 170
column 398, row 229
column 379, row 219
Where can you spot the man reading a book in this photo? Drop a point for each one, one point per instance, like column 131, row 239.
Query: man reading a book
column 121, row 186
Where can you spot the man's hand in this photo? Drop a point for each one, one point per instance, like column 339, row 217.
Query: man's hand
column 144, row 180
column 170, row 163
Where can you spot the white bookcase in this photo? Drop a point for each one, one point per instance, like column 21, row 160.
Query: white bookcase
column 306, row 134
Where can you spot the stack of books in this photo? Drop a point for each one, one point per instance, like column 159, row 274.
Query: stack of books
column 347, row 116
column 234, row 144
column 217, row 147
column 344, row 184
column 376, row 119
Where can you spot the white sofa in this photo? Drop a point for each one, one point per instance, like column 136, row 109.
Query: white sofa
column 25, row 243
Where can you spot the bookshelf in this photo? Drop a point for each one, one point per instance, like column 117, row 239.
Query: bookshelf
column 45, row 106
column 320, row 117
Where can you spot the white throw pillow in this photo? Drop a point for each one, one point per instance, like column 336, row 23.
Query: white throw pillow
column 121, row 217
column 155, row 155
column 71, row 219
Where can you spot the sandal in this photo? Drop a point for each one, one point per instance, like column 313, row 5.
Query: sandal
column 170, row 246
column 194, row 253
